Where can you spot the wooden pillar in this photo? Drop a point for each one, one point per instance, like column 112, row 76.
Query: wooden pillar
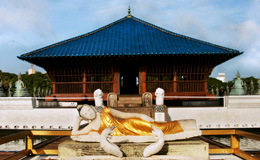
column 205, row 86
column 206, row 76
column 235, row 141
column 116, row 79
column 84, row 82
column 53, row 88
column 29, row 142
column 142, row 79
column 175, row 82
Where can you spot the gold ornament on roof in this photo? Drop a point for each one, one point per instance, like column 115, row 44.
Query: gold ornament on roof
column 129, row 12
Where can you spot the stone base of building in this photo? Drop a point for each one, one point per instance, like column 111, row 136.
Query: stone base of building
column 184, row 149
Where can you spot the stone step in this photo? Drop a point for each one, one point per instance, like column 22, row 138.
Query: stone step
column 129, row 102
column 129, row 105
column 130, row 98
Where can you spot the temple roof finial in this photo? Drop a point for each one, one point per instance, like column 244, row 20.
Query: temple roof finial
column 238, row 74
column 129, row 12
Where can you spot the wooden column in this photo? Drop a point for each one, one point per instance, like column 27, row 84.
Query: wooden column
column 116, row 79
column 28, row 142
column 235, row 141
column 206, row 86
column 175, row 82
column 84, row 82
column 206, row 76
column 53, row 88
column 142, row 79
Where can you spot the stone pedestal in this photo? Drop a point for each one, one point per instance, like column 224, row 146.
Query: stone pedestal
column 193, row 149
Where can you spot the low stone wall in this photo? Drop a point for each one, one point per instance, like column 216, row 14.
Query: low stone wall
column 46, row 119
column 217, row 117
column 17, row 103
column 238, row 112
column 242, row 101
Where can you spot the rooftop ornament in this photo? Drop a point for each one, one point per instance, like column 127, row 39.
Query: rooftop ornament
column 129, row 12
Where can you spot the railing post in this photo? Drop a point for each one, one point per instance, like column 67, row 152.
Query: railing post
column 28, row 142
column 235, row 141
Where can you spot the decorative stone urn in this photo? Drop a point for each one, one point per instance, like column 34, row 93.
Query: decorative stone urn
column 159, row 93
column 98, row 97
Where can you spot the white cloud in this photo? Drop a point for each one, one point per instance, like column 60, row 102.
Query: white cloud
column 245, row 34
column 23, row 24
column 25, row 16
column 191, row 26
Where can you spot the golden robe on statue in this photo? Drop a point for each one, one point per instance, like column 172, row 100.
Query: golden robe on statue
column 135, row 126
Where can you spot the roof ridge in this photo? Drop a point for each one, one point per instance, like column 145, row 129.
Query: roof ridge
column 183, row 36
column 75, row 38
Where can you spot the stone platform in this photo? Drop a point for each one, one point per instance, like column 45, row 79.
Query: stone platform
column 183, row 149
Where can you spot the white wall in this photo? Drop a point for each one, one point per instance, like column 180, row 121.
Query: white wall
column 238, row 112
column 218, row 117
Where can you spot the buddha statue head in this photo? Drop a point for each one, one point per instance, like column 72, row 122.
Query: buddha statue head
column 19, row 77
column 87, row 112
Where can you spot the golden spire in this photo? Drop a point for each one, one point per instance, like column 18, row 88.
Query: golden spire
column 238, row 74
column 129, row 12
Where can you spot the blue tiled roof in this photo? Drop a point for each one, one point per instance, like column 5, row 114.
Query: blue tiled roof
column 129, row 36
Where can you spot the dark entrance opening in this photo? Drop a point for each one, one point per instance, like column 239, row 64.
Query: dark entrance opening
column 129, row 79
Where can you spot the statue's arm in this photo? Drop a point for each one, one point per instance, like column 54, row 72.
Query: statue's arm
column 77, row 131
column 125, row 115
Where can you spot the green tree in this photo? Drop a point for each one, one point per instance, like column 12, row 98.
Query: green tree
column 7, row 79
column 247, row 82
column 38, row 81
column 214, row 83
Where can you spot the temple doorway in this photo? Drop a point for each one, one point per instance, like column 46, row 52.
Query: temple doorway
column 129, row 79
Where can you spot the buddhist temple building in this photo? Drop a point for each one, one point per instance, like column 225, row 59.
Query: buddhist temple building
column 130, row 56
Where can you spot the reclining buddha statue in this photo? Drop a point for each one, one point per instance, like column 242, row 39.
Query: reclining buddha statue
column 130, row 124
column 132, row 127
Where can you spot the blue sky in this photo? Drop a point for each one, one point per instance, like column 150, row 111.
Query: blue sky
column 26, row 25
